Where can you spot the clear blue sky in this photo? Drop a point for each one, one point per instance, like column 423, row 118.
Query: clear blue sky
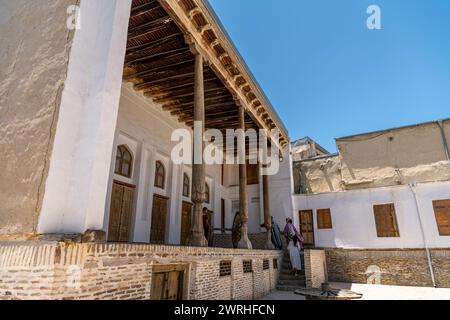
column 328, row 76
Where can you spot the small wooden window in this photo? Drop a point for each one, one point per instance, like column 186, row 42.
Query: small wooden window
column 275, row 264
column 247, row 266
column 266, row 265
column 225, row 268
column 160, row 175
column 207, row 194
column 124, row 161
column 386, row 221
column 252, row 174
column 186, row 185
column 324, row 219
column 442, row 214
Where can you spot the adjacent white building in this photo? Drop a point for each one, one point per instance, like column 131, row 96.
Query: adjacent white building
column 406, row 167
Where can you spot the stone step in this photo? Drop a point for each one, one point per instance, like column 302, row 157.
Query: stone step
column 287, row 276
column 287, row 265
column 291, row 277
column 290, row 288
column 288, row 273
column 297, row 282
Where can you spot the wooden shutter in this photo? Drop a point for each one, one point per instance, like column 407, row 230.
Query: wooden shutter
column 115, row 212
column 442, row 214
column 158, row 286
column 307, row 226
column 168, row 282
column 386, row 221
column 324, row 219
column 159, row 215
column 120, row 213
column 127, row 212
column 174, row 285
column 252, row 174
column 186, row 218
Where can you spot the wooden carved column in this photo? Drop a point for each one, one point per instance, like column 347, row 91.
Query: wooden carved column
column 244, row 243
column 267, row 213
column 197, row 236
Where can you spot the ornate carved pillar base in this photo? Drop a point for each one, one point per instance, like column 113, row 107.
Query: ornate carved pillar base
column 197, row 236
column 269, row 245
column 245, row 242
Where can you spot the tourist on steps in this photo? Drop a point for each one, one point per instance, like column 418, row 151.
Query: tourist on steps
column 276, row 235
column 294, row 239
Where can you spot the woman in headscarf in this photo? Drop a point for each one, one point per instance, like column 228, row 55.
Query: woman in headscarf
column 294, row 239
column 276, row 235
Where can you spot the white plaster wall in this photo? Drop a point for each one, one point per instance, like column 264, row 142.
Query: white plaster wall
column 80, row 162
column 254, row 209
column 34, row 58
column 354, row 222
column 147, row 130
column 281, row 188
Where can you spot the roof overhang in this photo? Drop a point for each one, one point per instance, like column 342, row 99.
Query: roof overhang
column 204, row 31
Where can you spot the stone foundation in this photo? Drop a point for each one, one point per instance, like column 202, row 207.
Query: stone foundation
column 315, row 268
column 36, row 270
column 403, row 267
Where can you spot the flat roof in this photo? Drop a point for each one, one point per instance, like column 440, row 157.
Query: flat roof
column 308, row 139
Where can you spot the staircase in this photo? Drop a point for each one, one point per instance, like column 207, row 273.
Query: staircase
column 288, row 281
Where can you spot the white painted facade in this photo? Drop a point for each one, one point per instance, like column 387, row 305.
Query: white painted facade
column 79, row 167
column 146, row 130
column 91, row 125
column 354, row 222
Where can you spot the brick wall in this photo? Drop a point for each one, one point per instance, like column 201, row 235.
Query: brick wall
column 408, row 267
column 36, row 270
column 315, row 268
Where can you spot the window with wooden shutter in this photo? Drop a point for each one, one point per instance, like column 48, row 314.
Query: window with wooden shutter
column 247, row 266
column 252, row 174
column 442, row 214
column 225, row 268
column 324, row 219
column 207, row 194
column 124, row 161
column 266, row 265
column 186, row 185
column 160, row 175
column 386, row 221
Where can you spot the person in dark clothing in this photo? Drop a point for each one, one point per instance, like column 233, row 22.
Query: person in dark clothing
column 206, row 225
column 276, row 235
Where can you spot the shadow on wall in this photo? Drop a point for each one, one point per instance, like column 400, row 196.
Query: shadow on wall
column 316, row 176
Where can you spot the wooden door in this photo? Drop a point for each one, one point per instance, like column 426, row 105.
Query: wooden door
column 442, row 214
column 307, row 226
column 175, row 285
column 121, row 213
column 168, row 283
column 159, row 217
column 186, row 218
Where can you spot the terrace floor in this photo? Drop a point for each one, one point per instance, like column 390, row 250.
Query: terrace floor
column 376, row 292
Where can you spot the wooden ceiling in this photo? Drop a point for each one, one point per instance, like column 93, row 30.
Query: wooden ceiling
column 160, row 64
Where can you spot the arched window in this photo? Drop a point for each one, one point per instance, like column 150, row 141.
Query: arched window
column 207, row 197
column 124, row 161
column 186, row 185
column 160, row 175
